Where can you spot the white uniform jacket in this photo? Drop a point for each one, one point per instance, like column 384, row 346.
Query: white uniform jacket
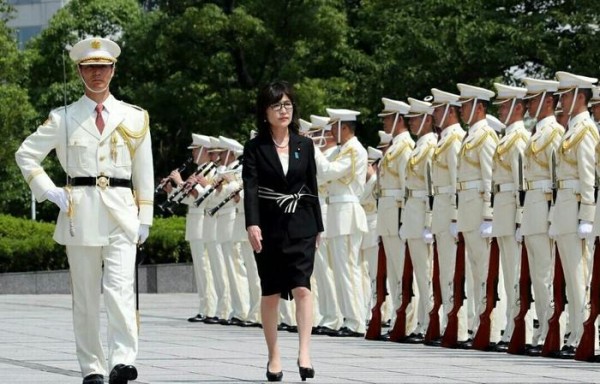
column 122, row 151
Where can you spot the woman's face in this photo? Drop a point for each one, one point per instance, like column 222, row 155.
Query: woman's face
column 279, row 115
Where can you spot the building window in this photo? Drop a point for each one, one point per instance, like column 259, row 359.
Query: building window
column 23, row 34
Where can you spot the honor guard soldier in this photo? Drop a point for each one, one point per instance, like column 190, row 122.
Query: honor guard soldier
column 194, row 226
column 392, row 184
column 474, row 186
column 545, row 140
column 331, row 317
column 508, row 182
column 416, row 215
column 445, row 166
column 346, row 220
column 574, row 210
column 368, row 247
column 594, row 105
column 104, row 146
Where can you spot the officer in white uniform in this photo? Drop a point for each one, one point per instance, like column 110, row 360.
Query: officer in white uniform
column 543, row 142
column 445, row 165
column 574, row 210
column 508, row 182
column 193, row 228
column 346, row 220
column 474, row 185
column 331, row 317
column 369, row 245
column 392, row 184
column 104, row 146
column 594, row 105
column 416, row 215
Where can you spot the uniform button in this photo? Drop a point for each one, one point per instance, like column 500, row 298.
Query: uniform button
column 102, row 144
column 102, row 158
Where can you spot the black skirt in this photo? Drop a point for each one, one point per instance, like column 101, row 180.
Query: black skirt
column 284, row 264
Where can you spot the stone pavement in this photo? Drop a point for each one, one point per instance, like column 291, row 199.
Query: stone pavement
column 36, row 346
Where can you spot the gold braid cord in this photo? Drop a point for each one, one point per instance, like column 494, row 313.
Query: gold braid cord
column 389, row 157
column 572, row 142
column 133, row 139
column 533, row 150
column 348, row 151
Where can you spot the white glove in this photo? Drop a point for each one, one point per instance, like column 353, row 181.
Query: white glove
column 518, row 235
column 453, row 229
column 585, row 229
column 59, row 197
column 402, row 233
column 552, row 232
column 143, row 233
column 427, row 236
column 485, row 229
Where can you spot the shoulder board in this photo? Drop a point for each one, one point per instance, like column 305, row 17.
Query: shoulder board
column 132, row 106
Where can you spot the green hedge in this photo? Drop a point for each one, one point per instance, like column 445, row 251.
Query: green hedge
column 27, row 245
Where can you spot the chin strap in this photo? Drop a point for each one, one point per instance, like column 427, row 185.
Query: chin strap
column 472, row 111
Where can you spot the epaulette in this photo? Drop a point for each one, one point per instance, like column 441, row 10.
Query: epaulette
column 132, row 106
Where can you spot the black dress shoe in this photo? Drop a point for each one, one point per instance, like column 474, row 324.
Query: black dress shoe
column 225, row 322
column 434, row 343
column 292, row 329
column 196, row 319
column 282, row 327
column 502, row 346
column 274, row 376
column 93, row 379
column 235, row 321
column 467, row 344
column 122, row 373
column 567, row 353
column 211, row 320
column 534, row 351
column 347, row 332
column 306, row 373
column 414, row 338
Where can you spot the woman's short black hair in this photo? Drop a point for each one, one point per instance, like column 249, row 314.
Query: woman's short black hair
column 270, row 94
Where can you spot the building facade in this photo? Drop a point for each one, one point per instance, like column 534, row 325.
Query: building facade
column 32, row 16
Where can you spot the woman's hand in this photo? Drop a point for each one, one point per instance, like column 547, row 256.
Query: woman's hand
column 255, row 237
column 318, row 242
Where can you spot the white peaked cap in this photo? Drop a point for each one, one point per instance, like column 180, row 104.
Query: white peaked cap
column 469, row 92
column 393, row 106
column 374, row 153
column 231, row 145
column 319, row 121
column 494, row 123
column 595, row 96
column 568, row 81
column 384, row 139
column 419, row 107
column 442, row 98
column 508, row 92
column 199, row 141
column 537, row 86
column 215, row 145
column 336, row 115
column 95, row 50
column 305, row 126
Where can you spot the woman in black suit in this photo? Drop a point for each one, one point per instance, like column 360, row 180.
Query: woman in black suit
column 283, row 218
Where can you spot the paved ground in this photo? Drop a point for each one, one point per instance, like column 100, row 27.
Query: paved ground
column 36, row 346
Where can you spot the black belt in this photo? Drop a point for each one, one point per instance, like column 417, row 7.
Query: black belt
column 100, row 181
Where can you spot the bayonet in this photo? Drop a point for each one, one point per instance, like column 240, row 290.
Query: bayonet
column 429, row 182
column 553, row 175
column 521, row 186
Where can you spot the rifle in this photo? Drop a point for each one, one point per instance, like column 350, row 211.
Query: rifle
column 398, row 333
column 374, row 329
column 553, row 338
column 450, row 338
column 433, row 330
column 516, row 346
column 481, row 341
column 585, row 349
column 213, row 211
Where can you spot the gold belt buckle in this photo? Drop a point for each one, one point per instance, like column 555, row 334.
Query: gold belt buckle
column 102, row 182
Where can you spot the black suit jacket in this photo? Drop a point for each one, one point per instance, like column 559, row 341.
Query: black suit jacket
column 262, row 167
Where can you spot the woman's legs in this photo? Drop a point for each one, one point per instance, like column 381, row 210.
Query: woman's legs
column 304, row 315
column 269, row 310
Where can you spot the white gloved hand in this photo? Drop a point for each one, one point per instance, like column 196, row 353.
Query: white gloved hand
column 402, row 233
column 427, row 236
column 143, row 233
column 585, row 229
column 59, row 197
column 552, row 232
column 518, row 235
column 453, row 229
column 485, row 229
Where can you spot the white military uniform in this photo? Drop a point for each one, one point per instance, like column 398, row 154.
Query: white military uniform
column 392, row 182
column 369, row 245
column 507, row 213
column 444, row 167
column 534, row 225
column 575, row 202
column 105, row 220
column 474, row 193
column 346, row 222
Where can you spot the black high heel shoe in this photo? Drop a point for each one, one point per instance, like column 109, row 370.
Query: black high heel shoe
column 274, row 376
column 306, row 373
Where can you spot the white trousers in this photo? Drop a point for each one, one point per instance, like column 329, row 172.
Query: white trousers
column 85, row 265
column 238, row 281
column 329, row 308
column 247, row 255
column 204, row 282
column 345, row 251
column 219, row 273
column 421, row 255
